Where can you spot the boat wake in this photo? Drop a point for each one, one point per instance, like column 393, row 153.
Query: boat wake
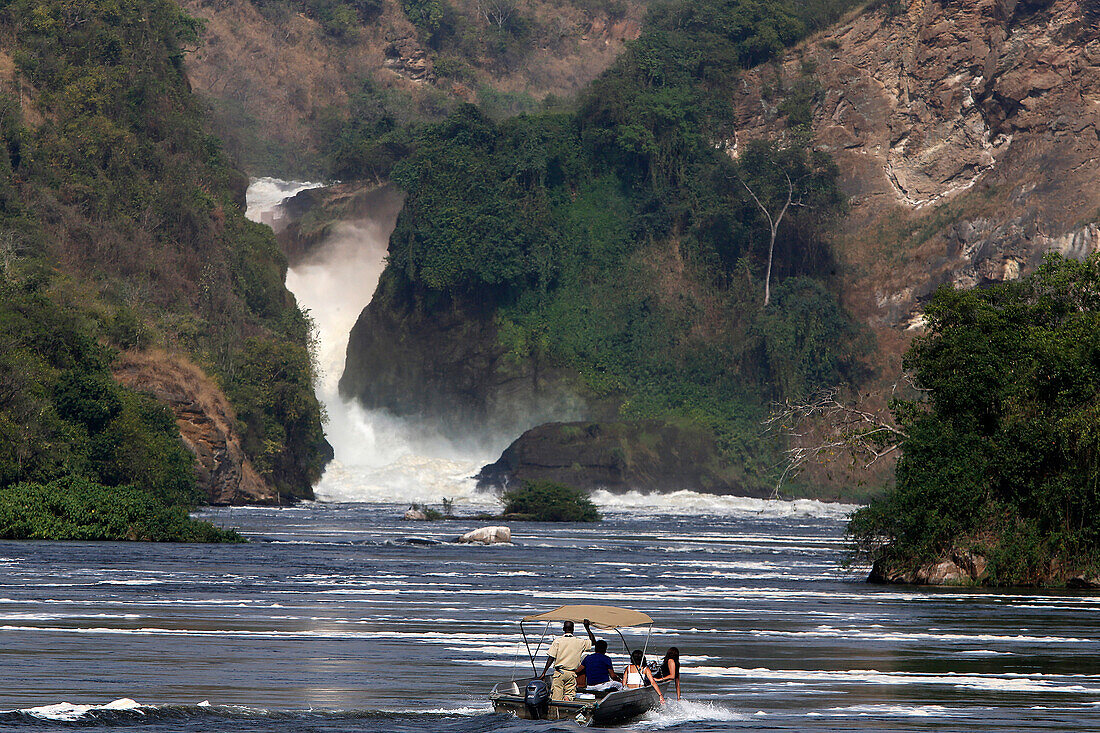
column 680, row 712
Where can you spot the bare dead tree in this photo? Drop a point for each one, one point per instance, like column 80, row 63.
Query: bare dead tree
column 824, row 426
column 496, row 12
column 773, row 226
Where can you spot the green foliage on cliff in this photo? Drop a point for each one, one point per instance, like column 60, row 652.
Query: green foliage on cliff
column 340, row 18
column 1003, row 455
column 121, row 227
column 61, row 413
column 622, row 242
column 547, row 501
column 79, row 509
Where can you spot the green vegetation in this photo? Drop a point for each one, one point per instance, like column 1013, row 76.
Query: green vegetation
column 121, row 227
column 546, row 501
column 339, row 18
column 78, row 509
column 1002, row 456
column 540, row 220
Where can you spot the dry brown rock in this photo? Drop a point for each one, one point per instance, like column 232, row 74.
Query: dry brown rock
column 206, row 422
column 976, row 125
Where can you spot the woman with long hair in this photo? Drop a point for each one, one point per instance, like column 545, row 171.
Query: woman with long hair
column 670, row 668
column 637, row 674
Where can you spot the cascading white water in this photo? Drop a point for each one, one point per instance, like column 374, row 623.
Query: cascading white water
column 378, row 457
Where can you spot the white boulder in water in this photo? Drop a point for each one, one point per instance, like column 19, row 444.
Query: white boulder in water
column 416, row 515
column 487, row 536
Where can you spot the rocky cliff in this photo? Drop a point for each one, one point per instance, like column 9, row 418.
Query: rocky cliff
column 206, row 421
column 644, row 455
column 967, row 134
column 312, row 216
column 445, row 366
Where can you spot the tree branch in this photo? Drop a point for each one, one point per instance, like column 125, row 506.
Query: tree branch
column 823, row 427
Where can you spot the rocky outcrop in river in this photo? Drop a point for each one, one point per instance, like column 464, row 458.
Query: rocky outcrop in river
column 646, row 455
column 444, row 366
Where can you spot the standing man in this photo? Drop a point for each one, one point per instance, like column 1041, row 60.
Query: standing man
column 565, row 654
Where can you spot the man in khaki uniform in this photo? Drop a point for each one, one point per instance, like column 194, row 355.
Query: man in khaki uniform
column 565, row 653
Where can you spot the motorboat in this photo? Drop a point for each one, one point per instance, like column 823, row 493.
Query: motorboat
column 529, row 697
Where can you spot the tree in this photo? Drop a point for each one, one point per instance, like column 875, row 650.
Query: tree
column 1001, row 454
column 779, row 178
column 496, row 12
column 826, row 426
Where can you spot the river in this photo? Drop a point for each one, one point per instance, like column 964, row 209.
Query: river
column 329, row 620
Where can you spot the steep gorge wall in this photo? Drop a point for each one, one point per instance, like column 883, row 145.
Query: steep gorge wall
column 967, row 134
column 273, row 75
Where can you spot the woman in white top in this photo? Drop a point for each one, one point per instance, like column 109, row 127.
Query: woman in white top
column 637, row 674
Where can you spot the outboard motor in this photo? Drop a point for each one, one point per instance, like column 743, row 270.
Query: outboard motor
column 537, row 699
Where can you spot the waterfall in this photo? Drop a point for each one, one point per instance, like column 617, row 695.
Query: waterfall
column 378, row 457
column 382, row 458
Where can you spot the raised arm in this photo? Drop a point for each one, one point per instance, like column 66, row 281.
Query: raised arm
column 588, row 628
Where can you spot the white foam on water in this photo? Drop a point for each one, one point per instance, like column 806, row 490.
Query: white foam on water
column 466, row 711
column 886, row 710
column 1008, row 682
column 831, row 632
column 68, row 712
column 694, row 503
column 675, row 713
column 265, row 194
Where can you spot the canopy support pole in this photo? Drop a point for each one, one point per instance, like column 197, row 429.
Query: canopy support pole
column 625, row 645
column 645, row 647
column 528, row 644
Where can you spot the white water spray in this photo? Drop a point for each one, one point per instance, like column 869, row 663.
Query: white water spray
column 379, row 458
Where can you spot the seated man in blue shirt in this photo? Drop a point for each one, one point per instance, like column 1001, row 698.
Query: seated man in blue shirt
column 599, row 673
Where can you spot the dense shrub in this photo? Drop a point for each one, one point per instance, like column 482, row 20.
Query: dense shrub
column 80, row 509
column 1003, row 455
column 547, row 501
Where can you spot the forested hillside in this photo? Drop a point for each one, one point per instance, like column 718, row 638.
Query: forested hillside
column 121, row 229
column 621, row 248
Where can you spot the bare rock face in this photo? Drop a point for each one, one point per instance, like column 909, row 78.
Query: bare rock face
column 967, row 134
column 445, row 370
column 206, row 423
column 406, row 58
column 312, row 216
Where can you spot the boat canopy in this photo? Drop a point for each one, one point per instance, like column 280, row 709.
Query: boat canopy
column 604, row 617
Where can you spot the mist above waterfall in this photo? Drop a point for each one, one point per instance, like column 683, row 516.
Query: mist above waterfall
column 378, row 457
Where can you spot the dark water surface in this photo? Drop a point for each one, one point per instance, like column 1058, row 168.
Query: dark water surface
column 330, row 621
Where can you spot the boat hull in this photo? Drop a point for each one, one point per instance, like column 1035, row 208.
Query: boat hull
column 614, row 708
